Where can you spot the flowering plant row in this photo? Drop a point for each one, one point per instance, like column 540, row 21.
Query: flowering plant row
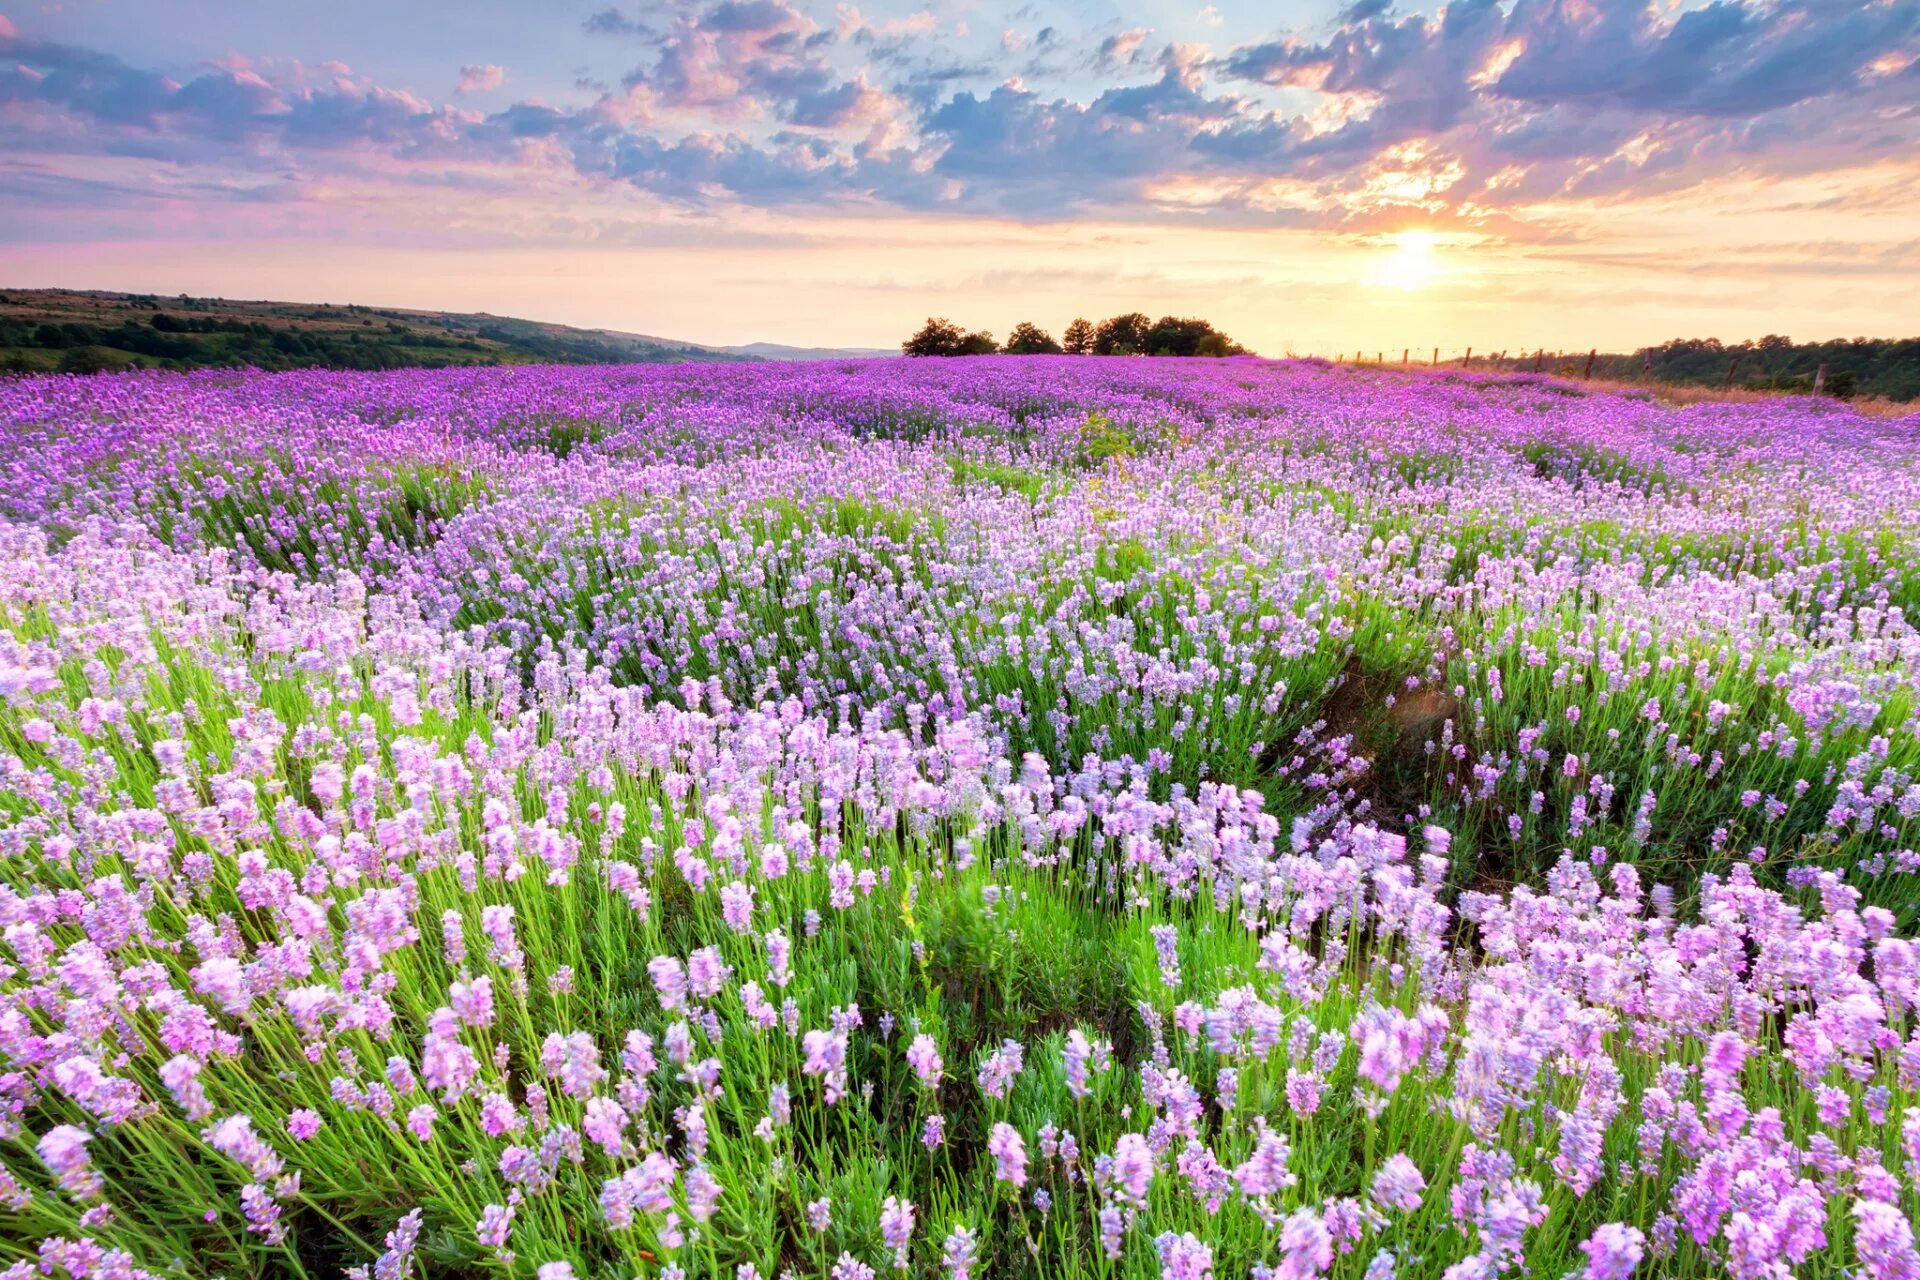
column 987, row 818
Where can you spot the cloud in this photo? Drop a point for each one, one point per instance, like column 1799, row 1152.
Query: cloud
column 612, row 22
column 1597, row 97
column 1018, row 151
column 86, row 83
column 1727, row 59
column 1474, row 112
column 752, row 17
column 1119, row 50
column 1415, row 71
column 287, row 104
column 482, row 78
column 746, row 60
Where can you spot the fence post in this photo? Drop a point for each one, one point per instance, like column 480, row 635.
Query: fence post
column 1820, row 379
column 1403, row 356
column 1730, row 371
column 1466, row 361
column 1436, row 357
column 1589, row 373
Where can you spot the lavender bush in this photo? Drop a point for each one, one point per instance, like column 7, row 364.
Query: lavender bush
column 976, row 818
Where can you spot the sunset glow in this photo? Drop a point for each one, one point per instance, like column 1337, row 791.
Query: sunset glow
column 1412, row 264
column 1505, row 175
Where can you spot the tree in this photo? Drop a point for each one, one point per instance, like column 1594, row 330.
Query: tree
column 1131, row 334
column 1171, row 336
column 84, row 360
column 1123, row 335
column 1030, row 340
column 937, row 337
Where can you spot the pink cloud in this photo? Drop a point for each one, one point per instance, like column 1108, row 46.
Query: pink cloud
column 481, row 79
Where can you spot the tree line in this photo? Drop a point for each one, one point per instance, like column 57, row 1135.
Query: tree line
column 1887, row 367
column 1131, row 334
column 1843, row 368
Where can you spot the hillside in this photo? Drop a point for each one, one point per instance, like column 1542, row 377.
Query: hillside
column 43, row 330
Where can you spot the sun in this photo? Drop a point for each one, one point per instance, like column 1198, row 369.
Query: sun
column 1412, row 264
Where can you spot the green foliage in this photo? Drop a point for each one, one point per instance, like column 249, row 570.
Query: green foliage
column 939, row 336
column 942, row 337
column 1122, row 335
column 87, row 359
column 1887, row 367
column 192, row 334
column 564, row 435
column 1102, row 440
column 1173, row 336
column 1120, row 561
column 1030, row 340
column 1012, row 479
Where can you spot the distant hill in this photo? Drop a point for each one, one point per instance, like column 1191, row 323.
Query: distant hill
column 775, row 351
column 47, row 330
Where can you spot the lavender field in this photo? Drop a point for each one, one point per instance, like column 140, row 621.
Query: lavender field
column 977, row 818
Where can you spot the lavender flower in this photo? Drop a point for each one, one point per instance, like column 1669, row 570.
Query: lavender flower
column 1009, row 1154
column 1614, row 1251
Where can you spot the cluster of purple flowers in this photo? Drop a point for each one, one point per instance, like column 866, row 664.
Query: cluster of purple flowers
column 881, row 817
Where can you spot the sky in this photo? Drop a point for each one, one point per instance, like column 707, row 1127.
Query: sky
column 1314, row 179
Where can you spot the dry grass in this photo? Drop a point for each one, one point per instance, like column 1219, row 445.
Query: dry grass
column 1664, row 392
column 1870, row 406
